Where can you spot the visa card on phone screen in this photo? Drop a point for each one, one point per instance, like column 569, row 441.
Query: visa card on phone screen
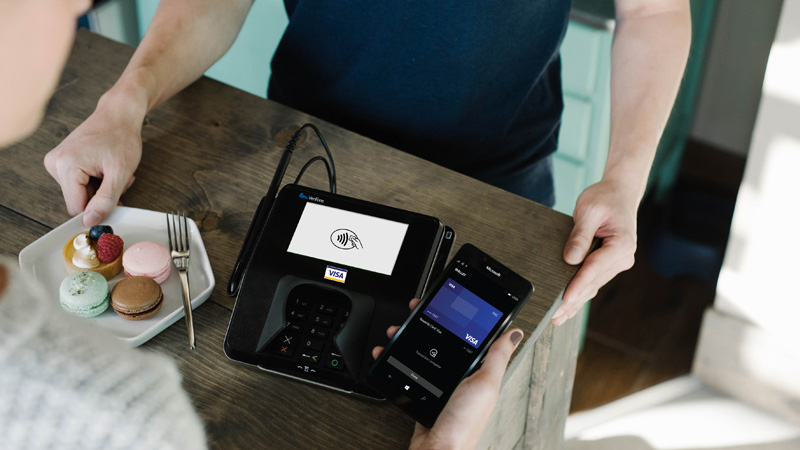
column 463, row 313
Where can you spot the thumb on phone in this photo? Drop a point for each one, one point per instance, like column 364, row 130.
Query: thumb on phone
column 498, row 355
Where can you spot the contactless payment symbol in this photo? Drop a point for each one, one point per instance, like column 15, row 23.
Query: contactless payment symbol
column 335, row 274
column 346, row 239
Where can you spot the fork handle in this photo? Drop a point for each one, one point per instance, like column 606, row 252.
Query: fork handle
column 187, row 306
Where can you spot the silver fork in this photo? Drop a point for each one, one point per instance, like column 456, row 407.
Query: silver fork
column 178, row 231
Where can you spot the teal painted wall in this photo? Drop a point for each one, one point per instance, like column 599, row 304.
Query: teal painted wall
column 247, row 64
column 583, row 139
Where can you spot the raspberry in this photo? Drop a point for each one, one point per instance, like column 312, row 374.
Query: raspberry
column 109, row 247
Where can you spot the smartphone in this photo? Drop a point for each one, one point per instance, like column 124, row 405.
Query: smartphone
column 471, row 303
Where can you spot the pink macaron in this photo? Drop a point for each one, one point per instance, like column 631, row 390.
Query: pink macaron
column 148, row 259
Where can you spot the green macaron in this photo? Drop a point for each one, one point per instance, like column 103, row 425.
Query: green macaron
column 84, row 293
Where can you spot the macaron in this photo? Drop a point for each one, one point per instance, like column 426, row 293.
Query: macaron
column 137, row 298
column 147, row 259
column 84, row 293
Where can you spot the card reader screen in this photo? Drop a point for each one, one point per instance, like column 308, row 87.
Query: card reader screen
column 345, row 237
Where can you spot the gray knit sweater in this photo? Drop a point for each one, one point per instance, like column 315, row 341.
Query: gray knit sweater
column 65, row 384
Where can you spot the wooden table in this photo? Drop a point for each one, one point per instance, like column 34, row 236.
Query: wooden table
column 212, row 150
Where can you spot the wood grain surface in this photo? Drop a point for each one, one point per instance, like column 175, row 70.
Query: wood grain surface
column 212, row 151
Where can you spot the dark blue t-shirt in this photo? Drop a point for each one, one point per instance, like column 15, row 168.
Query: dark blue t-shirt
column 471, row 85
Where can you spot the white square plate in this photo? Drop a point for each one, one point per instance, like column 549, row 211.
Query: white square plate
column 43, row 261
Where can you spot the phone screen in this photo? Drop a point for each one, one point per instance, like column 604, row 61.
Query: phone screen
column 444, row 339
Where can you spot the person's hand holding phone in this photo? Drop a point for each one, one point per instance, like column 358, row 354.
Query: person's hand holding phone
column 462, row 421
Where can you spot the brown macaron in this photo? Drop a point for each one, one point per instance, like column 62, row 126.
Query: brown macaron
column 137, row 298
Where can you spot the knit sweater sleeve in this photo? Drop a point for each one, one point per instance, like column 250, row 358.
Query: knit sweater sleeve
column 65, row 383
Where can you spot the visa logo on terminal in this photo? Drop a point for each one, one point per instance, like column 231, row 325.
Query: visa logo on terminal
column 335, row 274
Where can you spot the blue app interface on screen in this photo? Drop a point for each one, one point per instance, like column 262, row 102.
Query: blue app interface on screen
column 463, row 313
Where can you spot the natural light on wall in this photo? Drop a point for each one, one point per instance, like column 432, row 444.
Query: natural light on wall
column 760, row 274
column 781, row 80
column 688, row 423
column 744, row 390
column 758, row 281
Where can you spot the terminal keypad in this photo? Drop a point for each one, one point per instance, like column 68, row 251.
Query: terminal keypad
column 313, row 318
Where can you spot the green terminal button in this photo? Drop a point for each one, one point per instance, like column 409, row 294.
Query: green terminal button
column 333, row 362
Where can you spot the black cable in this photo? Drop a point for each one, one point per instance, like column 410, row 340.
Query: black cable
column 265, row 206
column 277, row 179
column 331, row 169
column 327, row 168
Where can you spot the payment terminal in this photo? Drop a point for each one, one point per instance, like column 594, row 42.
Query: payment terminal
column 328, row 274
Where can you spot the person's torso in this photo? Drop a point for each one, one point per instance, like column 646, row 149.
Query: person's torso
column 461, row 83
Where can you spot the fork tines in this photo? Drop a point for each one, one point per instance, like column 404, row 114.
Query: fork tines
column 180, row 241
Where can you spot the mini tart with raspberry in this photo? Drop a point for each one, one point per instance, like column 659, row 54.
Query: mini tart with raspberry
column 107, row 270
